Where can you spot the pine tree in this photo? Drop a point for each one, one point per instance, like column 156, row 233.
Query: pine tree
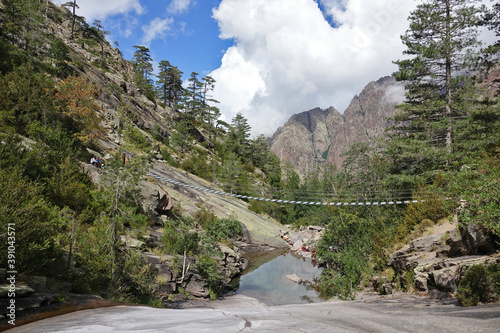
column 143, row 71
column 163, row 81
column 492, row 21
column 101, row 35
column 73, row 7
column 238, row 137
column 210, row 113
column 23, row 24
column 442, row 40
column 169, row 84
column 194, row 97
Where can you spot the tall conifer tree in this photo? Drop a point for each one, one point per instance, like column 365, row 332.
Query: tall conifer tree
column 169, row 84
column 194, row 96
column 442, row 42
column 143, row 71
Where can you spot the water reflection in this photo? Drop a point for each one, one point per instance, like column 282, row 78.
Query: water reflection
column 266, row 281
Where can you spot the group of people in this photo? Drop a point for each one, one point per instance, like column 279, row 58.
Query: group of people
column 95, row 161
column 284, row 235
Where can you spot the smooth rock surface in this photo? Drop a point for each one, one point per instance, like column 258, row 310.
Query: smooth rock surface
column 393, row 314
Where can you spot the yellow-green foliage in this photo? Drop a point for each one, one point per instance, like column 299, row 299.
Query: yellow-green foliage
column 422, row 228
column 205, row 217
column 430, row 207
column 135, row 137
column 76, row 98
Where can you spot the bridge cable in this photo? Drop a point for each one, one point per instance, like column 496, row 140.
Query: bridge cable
column 297, row 202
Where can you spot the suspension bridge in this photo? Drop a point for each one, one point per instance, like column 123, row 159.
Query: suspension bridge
column 296, row 202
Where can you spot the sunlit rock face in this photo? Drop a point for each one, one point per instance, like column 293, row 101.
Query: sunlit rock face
column 318, row 137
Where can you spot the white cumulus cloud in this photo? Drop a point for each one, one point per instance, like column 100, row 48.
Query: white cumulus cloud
column 156, row 29
column 178, row 6
column 99, row 9
column 287, row 58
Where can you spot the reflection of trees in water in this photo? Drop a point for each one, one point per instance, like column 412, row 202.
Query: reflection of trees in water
column 307, row 299
column 307, row 284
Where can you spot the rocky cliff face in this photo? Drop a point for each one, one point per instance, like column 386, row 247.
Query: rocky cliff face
column 317, row 137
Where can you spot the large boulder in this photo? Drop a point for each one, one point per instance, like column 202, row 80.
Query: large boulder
column 456, row 246
column 439, row 265
column 478, row 240
column 403, row 260
column 421, row 281
column 294, row 278
column 297, row 245
column 446, row 279
column 197, row 286
column 231, row 262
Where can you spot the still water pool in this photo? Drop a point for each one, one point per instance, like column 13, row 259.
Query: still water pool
column 265, row 279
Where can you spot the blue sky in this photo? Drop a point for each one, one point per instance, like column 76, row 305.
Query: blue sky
column 270, row 58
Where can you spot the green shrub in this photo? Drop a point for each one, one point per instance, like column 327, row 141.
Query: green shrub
column 256, row 206
column 136, row 280
column 207, row 267
column 178, row 238
column 481, row 283
column 135, row 137
column 197, row 164
column 408, row 281
column 333, row 284
column 168, row 157
column 205, row 217
column 477, row 183
column 345, row 246
column 223, row 229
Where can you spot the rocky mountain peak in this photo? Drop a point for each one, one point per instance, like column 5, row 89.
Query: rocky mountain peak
column 317, row 137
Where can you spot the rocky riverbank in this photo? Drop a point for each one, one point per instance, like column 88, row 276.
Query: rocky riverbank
column 434, row 264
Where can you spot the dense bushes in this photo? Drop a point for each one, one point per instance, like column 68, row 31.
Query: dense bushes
column 190, row 235
column 179, row 238
column 481, row 283
column 477, row 183
column 200, row 237
column 223, row 229
column 346, row 247
column 207, row 267
column 69, row 228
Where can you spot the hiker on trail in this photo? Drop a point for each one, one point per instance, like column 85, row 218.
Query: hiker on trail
column 93, row 161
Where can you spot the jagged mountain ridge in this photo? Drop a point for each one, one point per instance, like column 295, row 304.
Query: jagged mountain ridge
column 318, row 137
